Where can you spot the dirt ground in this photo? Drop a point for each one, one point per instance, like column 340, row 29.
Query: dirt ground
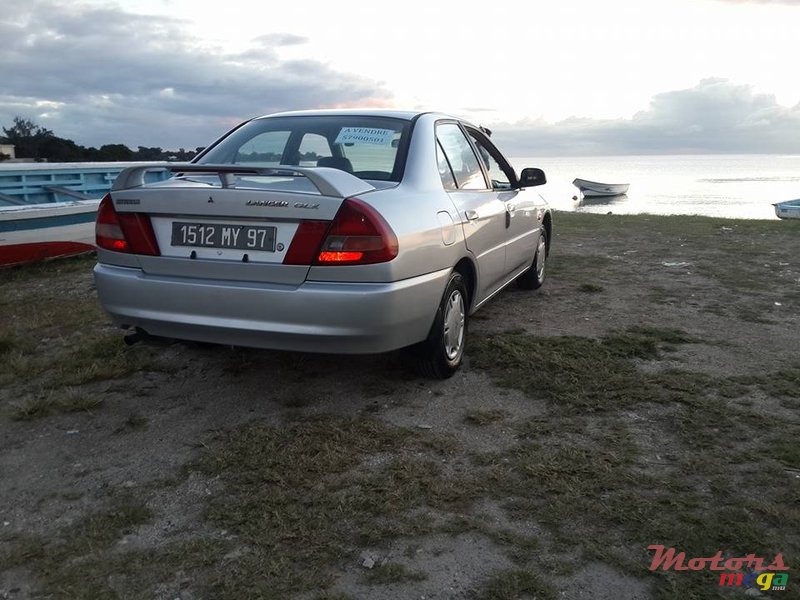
column 648, row 394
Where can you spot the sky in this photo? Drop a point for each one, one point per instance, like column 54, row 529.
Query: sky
column 573, row 77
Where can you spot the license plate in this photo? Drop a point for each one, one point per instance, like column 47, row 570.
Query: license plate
column 217, row 235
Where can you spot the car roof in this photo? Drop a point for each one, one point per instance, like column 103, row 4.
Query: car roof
column 366, row 112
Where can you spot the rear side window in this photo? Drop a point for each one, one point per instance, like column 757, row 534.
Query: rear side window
column 264, row 149
column 369, row 147
column 462, row 159
column 445, row 172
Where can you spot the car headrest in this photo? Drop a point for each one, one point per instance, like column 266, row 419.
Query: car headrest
column 336, row 162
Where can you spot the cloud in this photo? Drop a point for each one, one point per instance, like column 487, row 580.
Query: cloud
column 102, row 75
column 716, row 115
column 281, row 39
column 789, row 2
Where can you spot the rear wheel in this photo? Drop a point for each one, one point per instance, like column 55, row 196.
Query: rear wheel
column 533, row 278
column 440, row 355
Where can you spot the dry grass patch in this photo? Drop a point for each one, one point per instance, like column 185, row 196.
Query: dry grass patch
column 590, row 480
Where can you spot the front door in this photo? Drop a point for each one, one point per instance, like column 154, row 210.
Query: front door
column 520, row 204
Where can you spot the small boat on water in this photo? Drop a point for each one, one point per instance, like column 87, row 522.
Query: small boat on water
column 790, row 209
column 594, row 188
column 47, row 210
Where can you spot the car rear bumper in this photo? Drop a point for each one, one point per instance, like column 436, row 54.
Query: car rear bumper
column 349, row 318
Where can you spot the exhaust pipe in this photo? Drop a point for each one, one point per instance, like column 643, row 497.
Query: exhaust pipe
column 139, row 335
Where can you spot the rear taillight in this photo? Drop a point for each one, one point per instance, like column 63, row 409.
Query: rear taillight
column 358, row 235
column 305, row 244
column 108, row 233
column 124, row 232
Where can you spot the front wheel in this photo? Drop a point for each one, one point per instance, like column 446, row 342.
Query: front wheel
column 440, row 355
column 533, row 278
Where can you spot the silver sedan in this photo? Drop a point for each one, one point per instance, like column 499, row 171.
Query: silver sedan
column 325, row 231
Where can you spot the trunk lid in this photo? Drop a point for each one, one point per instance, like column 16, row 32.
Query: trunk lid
column 223, row 222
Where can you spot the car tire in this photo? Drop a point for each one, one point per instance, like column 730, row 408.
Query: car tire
column 440, row 355
column 533, row 278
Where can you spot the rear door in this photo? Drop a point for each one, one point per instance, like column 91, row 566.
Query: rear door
column 483, row 214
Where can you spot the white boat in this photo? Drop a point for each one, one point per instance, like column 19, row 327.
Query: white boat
column 790, row 209
column 48, row 210
column 40, row 231
column 594, row 188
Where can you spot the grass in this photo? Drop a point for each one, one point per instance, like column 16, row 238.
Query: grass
column 134, row 422
column 706, row 243
column 99, row 359
column 590, row 288
column 74, row 564
column 54, row 339
column 520, row 548
column 579, row 373
column 784, row 383
column 48, row 388
column 8, row 342
column 514, row 585
column 483, row 416
column 591, row 477
column 49, row 268
column 785, row 449
column 579, row 266
column 392, row 573
column 54, row 401
column 301, row 499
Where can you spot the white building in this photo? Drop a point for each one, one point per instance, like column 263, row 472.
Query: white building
column 8, row 150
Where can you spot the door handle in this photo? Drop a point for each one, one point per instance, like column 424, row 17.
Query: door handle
column 471, row 215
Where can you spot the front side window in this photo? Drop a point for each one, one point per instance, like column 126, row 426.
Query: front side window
column 498, row 176
column 313, row 147
column 369, row 147
column 461, row 157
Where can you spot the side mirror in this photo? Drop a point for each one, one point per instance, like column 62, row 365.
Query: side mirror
column 531, row 177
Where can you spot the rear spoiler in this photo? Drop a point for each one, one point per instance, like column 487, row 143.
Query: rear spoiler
column 329, row 182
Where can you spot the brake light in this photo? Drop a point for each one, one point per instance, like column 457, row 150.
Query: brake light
column 126, row 232
column 108, row 233
column 305, row 243
column 358, row 235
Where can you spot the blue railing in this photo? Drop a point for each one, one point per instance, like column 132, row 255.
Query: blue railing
column 39, row 183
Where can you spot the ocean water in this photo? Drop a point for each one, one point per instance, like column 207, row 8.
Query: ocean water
column 736, row 186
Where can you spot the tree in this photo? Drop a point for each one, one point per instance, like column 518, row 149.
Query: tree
column 33, row 141
column 116, row 152
column 28, row 138
column 58, row 149
column 24, row 129
column 145, row 153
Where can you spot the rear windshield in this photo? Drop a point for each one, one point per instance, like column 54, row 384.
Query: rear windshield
column 367, row 147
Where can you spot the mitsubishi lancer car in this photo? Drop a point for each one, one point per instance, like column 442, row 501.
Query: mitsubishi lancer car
column 347, row 231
